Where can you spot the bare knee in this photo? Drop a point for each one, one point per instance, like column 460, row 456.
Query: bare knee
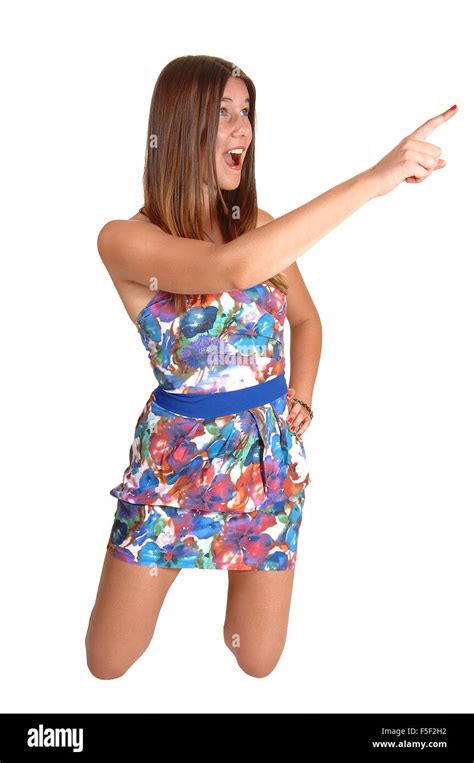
column 105, row 672
column 257, row 665
column 105, row 666
column 103, row 663
column 106, row 669
column 255, row 659
column 260, row 661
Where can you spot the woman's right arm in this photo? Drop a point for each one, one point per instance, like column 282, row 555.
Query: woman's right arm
column 140, row 252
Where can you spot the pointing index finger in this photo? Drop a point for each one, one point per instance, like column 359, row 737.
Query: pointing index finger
column 427, row 127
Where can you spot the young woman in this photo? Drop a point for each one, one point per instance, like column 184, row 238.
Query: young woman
column 217, row 469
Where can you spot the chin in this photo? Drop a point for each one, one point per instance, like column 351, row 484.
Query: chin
column 226, row 184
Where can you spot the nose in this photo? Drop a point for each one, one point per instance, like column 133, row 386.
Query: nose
column 242, row 126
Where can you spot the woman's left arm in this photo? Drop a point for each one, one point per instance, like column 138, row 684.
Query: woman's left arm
column 305, row 349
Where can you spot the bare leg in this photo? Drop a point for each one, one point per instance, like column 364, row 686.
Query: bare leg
column 256, row 621
column 124, row 616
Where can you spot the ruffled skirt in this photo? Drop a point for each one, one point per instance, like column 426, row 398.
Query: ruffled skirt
column 161, row 536
column 237, row 462
column 217, row 493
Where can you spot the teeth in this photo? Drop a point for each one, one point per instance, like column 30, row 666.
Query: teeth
column 236, row 151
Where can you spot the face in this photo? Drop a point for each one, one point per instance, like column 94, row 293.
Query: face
column 235, row 131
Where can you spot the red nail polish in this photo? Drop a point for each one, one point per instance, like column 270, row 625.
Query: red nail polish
column 290, row 420
column 291, row 428
column 453, row 107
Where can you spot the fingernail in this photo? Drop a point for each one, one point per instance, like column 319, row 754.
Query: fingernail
column 290, row 420
column 291, row 428
column 453, row 107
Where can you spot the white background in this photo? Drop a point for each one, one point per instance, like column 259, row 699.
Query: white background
column 381, row 617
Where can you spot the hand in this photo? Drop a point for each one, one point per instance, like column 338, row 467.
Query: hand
column 300, row 418
column 411, row 160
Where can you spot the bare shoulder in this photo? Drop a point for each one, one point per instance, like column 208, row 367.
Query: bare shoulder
column 116, row 234
column 107, row 234
column 117, row 241
column 263, row 218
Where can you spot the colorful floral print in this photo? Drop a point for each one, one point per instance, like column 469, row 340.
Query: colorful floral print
column 235, row 465
column 168, row 537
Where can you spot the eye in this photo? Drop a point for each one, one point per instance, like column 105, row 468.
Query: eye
column 223, row 108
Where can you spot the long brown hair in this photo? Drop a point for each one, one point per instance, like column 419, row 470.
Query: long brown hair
column 181, row 139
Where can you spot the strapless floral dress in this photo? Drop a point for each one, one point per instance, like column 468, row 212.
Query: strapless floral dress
column 222, row 491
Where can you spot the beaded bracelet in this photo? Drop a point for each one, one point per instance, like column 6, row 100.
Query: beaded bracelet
column 295, row 400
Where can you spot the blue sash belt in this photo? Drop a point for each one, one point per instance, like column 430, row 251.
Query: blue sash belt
column 212, row 404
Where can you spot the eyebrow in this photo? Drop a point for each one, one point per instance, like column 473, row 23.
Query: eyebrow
column 225, row 98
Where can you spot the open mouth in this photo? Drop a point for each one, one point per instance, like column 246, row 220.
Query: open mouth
column 233, row 158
